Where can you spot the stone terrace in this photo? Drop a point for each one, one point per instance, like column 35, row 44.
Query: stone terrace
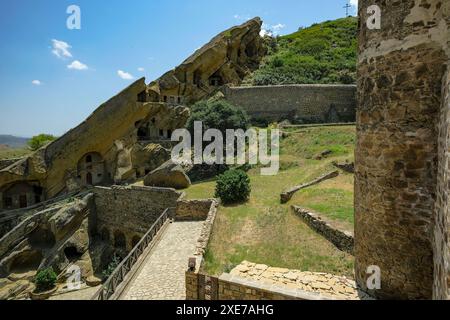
column 330, row 286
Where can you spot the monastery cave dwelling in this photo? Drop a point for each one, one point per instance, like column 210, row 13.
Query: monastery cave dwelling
column 107, row 188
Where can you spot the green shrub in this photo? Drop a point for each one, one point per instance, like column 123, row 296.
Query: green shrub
column 233, row 187
column 45, row 280
column 111, row 267
column 40, row 140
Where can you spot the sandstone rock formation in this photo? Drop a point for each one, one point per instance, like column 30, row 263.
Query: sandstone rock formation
column 169, row 175
column 57, row 238
column 226, row 59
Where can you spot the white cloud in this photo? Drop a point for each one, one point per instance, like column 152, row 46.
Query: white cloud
column 278, row 27
column 125, row 75
column 140, row 69
column 271, row 30
column 77, row 65
column 265, row 32
column 61, row 49
column 36, row 82
column 354, row 3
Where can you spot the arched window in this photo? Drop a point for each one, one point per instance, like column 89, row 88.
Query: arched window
column 88, row 158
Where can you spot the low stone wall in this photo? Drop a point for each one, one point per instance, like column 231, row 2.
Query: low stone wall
column 202, row 242
column 342, row 239
column 296, row 103
column 287, row 195
column 237, row 288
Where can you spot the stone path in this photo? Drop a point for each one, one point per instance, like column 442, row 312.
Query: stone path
column 162, row 274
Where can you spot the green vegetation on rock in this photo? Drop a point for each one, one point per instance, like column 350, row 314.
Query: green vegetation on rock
column 323, row 53
column 45, row 280
column 40, row 140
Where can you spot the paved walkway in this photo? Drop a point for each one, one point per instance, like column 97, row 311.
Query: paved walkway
column 162, row 274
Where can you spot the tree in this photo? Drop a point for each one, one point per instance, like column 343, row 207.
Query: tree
column 40, row 140
column 218, row 114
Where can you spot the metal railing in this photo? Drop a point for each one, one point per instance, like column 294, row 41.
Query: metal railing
column 117, row 277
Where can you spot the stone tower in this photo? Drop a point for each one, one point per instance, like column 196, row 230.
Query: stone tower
column 402, row 158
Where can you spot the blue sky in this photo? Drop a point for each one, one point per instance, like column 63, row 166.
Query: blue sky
column 52, row 78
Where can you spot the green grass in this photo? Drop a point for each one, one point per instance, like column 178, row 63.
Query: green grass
column 321, row 53
column 264, row 231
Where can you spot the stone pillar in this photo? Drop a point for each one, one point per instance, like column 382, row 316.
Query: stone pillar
column 400, row 72
column 441, row 243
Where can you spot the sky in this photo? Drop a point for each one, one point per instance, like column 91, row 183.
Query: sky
column 53, row 77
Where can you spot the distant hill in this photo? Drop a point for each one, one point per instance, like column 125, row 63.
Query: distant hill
column 12, row 141
column 322, row 53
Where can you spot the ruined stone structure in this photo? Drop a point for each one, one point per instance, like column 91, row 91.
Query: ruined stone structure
column 296, row 103
column 86, row 232
column 127, row 213
column 401, row 177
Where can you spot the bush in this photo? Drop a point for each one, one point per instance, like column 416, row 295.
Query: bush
column 219, row 115
column 233, row 186
column 40, row 140
column 45, row 280
column 111, row 267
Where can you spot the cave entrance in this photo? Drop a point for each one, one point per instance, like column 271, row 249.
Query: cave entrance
column 89, row 179
column 72, row 254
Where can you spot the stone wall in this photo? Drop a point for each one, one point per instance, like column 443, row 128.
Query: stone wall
column 342, row 239
column 441, row 243
column 296, row 103
column 400, row 72
column 130, row 211
column 193, row 210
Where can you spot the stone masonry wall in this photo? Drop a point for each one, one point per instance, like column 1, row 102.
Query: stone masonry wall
column 342, row 239
column 400, row 72
column 296, row 103
column 131, row 210
column 193, row 210
column 441, row 244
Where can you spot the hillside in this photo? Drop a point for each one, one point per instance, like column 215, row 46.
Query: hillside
column 264, row 231
column 322, row 53
column 12, row 141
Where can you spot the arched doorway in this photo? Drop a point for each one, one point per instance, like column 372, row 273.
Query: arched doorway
column 89, row 179
column 91, row 169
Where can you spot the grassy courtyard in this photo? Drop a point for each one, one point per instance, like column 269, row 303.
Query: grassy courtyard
column 264, row 231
